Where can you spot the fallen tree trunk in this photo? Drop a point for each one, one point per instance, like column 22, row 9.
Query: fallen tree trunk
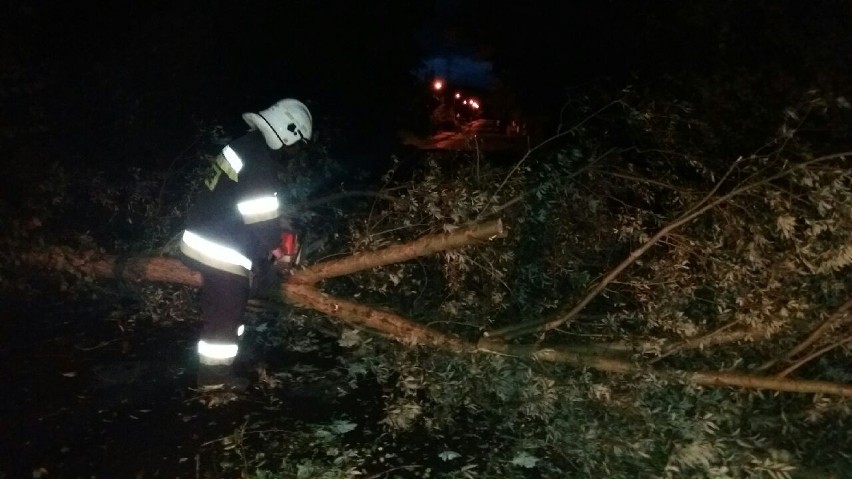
column 170, row 270
column 301, row 291
column 93, row 263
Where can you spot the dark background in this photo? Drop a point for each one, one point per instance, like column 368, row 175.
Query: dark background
column 112, row 84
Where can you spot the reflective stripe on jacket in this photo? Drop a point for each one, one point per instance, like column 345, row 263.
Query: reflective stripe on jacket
column 234, row 220
column 262, row 208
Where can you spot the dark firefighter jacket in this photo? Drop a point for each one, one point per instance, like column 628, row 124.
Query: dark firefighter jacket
column 234, row 222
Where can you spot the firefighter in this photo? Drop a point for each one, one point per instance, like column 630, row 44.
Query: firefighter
column 234, row 235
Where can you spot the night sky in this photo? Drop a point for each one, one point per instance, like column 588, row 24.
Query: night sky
column 116, row 83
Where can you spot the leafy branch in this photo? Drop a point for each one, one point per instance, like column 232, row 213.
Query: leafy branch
column 702, row 206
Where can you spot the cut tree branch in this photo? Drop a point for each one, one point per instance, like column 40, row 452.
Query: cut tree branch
column 669, row 347
column 393, row 326
column 365, row 260
column 694, row 343
column 385, row 322
column 812, row 356
column 700, row 378
column 826, row 326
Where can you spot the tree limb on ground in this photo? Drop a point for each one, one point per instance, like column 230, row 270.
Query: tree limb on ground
column 826, row 326
column 812, row 356
column 701, row 378
column 398, row 253
column 301, row 291
column 662, row 347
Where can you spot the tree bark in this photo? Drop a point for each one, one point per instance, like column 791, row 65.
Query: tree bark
column 700, row 378
column 387, row 323
column 834, row 320
column 170, row 270
column 365, row 260
column 93, row 263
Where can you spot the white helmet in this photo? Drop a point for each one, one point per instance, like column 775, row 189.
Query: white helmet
column 284, row 123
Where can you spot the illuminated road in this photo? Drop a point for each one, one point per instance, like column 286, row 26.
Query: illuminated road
column 486, row 135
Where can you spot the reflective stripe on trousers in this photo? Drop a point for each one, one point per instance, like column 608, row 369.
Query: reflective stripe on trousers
column 219, row 354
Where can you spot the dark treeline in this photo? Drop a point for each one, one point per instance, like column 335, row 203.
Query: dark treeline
column 109, row 85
